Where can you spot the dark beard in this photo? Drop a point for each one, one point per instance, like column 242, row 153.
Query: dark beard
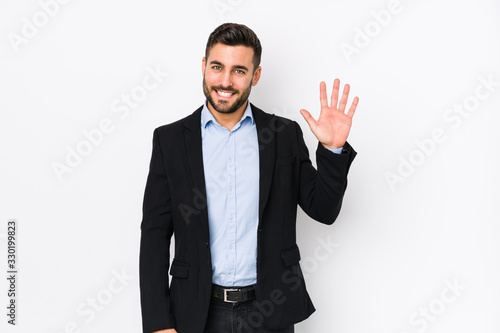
column 223, row 106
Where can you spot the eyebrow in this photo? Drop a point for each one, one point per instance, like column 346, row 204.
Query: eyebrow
column 215, row 62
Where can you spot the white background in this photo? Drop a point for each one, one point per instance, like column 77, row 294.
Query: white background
column 395, row 244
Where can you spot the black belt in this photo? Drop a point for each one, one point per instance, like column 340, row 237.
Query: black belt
column 233, row 295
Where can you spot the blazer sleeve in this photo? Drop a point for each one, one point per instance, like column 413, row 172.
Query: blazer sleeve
column 156, row 232
column 322, row 190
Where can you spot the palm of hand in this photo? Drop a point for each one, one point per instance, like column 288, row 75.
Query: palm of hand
column 333, row 125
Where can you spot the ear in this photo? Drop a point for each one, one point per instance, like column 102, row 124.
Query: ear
column 256, row 76
column 203, row 66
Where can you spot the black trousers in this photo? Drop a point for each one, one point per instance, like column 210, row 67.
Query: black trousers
column 242, row 317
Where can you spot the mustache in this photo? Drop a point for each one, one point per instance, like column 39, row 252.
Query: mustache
column 225, row 89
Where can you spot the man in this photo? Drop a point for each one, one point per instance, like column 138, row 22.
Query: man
column 226, row 182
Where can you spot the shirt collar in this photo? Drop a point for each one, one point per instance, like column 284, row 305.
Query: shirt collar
column 207, row 116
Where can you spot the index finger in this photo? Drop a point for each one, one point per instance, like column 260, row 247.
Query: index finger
column 353, row 107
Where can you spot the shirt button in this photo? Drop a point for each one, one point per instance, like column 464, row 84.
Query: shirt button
column 230, row 160
column 229, row 275
column 231, row 246
column 231, row 217
column 230, row 188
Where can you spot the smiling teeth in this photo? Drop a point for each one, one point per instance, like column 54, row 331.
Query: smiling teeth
column 225, row 94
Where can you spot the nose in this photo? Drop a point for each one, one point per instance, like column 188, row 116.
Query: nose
column 226, row 79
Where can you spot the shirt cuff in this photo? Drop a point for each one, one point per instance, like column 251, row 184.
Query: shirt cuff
column 336, row 151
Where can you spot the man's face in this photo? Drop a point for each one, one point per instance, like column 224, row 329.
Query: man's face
column 228, row 77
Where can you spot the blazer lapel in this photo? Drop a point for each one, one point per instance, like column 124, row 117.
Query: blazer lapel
column 194, row 153
column 267, row 152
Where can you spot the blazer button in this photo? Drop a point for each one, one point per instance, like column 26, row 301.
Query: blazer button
column 206, row 245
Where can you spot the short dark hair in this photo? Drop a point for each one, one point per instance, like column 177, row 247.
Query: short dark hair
column 234, row 34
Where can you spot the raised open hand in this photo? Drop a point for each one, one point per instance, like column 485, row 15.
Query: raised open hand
column 333, row 125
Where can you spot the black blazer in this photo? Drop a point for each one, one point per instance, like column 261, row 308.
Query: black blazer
column 175, row 204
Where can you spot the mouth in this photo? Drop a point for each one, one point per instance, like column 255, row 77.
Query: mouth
column 224, row 94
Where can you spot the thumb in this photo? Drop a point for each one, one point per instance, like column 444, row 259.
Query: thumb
column 309, row 119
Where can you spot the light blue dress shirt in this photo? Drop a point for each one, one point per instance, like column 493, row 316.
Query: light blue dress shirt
column 231, row 166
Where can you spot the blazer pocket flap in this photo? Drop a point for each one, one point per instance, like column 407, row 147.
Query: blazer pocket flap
column 291, row 256
column 179, row 269
column 285, row 160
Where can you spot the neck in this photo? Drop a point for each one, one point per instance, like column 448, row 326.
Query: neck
column 228, row 120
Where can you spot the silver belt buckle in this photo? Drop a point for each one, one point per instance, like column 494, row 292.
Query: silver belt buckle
column 225, row 295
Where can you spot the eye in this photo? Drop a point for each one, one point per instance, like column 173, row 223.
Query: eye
column 239, row 71
column 216, row 67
